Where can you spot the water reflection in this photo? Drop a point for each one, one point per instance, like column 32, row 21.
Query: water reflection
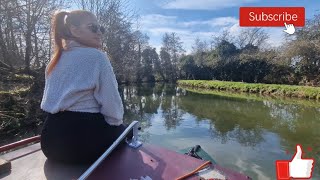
column 261, row 130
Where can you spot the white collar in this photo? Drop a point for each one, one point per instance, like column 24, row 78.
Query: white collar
column 72, row 44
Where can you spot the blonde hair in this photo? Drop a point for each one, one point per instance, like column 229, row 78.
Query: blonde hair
column 60, row 28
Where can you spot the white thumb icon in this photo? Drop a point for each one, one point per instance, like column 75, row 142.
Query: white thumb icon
column 300, row 168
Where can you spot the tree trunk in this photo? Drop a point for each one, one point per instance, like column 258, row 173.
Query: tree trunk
column 28, row 50
column 3, row 47
column 36, row 50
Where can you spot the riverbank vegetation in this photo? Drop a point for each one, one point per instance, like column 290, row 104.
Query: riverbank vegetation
column 253, row 96
column 265, row 89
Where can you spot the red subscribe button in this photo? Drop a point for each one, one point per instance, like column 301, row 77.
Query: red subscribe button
column 271, row 16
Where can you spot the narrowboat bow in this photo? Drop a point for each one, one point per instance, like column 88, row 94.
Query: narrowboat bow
column 130, row 162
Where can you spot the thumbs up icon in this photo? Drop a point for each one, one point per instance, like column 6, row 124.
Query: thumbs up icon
column 297, row 168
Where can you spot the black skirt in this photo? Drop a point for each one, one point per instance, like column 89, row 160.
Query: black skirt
column 77, row 137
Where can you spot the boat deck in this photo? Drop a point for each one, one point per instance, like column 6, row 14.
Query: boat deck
column 35, row 166
column 124, row 164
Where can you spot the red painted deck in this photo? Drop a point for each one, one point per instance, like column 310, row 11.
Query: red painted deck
column 155, row 162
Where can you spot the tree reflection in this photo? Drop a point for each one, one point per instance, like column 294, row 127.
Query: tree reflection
column 229, row 118
column 298, row 125
column 144, row 101
column 245, row 121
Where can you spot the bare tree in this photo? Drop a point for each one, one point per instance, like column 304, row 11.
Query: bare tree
column 172, row 44
column 251, row 36
column 24, row 32
column 199, row 51
column 199, row 46
column 123, row 45
column 224, row 36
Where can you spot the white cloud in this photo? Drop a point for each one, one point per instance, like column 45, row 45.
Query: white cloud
column 204, row 4
column 220, row 21
column 152, row 20
column 276, row 36
column 235, row 29
column 160, row 31
column 160, row 23
column 155, row 25
column 187, row 31
column 223, row 21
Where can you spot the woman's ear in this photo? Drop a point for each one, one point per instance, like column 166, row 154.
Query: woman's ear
column 74, row 31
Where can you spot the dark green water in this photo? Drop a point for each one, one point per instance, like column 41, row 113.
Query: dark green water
column 241, row 134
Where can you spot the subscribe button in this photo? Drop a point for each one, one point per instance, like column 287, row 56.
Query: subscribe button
column 271, row 16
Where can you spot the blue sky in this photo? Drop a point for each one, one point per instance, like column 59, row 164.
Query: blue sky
column 205, row 18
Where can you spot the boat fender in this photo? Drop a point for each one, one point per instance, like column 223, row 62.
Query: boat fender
column 5, row 166
column 193, row 152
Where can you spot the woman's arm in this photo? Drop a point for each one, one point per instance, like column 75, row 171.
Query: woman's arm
column 107, row 95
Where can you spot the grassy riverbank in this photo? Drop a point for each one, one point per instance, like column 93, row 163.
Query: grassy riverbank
column 256, row 97
column 266, row 89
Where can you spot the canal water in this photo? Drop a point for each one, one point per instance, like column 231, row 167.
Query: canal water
column 246, row 133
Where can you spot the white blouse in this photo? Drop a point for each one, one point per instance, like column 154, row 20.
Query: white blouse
column 83, row 81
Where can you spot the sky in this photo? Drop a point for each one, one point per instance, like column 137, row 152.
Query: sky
column 203, row 19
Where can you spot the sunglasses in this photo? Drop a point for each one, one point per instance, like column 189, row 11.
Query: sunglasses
column 95, row 27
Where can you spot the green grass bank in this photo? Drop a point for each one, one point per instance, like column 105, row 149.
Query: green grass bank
column 265, row 89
